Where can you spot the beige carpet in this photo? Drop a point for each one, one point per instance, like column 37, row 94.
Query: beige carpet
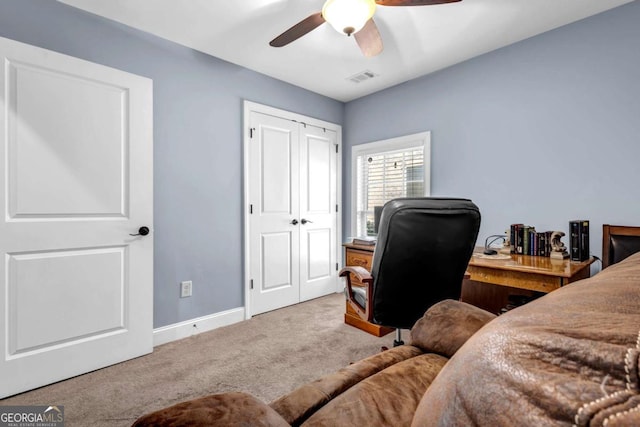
column 267, row 356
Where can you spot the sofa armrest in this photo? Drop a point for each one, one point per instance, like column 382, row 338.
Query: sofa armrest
column 217, row 410
column 447, row 325
column 304, row 401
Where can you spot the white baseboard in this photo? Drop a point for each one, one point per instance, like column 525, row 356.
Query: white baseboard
column 177, row 331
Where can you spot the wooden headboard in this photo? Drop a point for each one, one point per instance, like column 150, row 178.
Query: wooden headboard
column 618, row 242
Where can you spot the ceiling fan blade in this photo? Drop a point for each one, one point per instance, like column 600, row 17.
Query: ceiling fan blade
column 303, row 27
column 369, row 40
column 413, row 2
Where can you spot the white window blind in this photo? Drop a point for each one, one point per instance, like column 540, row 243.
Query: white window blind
column 382, row 176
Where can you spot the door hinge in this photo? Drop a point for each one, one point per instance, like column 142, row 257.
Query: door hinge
column 336, row 148
column 251, row 130
column 336, row 208
column 336, row 266
column 251, row 209
column 251, row 283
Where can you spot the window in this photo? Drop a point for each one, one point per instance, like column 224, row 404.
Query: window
column 385, row 170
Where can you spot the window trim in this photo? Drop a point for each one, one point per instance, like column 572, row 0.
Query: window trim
column 398, row 143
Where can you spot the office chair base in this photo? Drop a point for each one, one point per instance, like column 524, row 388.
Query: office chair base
column 398, row 341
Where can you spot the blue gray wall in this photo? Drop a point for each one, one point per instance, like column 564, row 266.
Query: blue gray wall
column 540, row 132
column 198, row 144
column 543, row 131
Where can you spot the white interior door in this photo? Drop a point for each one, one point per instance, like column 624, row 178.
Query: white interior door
column 274, row 228
column 77, row 158
column 318, row 212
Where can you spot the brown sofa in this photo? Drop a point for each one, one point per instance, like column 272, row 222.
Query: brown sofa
column 568, row 358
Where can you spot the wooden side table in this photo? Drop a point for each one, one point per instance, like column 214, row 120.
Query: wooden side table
column 362, row 256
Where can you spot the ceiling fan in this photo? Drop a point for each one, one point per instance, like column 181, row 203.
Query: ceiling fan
column 350, row 17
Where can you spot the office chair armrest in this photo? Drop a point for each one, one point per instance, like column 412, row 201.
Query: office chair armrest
column 364, row 311
column 360, row 272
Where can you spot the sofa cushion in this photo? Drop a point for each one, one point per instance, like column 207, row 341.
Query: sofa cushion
column 388, row 398
column 228, row 409
column 447, row 325
column 570, row 357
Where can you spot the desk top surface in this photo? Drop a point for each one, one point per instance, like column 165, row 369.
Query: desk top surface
column 524, row 263
column 529, row 264
column 368, row 248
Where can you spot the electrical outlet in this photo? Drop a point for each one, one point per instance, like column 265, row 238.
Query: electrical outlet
column 185, row 289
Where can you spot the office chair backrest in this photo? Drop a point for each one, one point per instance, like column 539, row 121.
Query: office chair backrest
column 422, row 252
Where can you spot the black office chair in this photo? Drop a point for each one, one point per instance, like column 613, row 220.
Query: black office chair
column 422, row 252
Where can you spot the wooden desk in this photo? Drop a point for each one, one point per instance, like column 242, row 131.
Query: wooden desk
column 518, row 275
column 491, row 281
column 540, row 274
column 358, row 255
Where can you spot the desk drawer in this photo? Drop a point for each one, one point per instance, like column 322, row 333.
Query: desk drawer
column 356, row 258
column 515, row 279
column 359, row 259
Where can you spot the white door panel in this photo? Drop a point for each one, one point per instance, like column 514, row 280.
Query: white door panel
column 319, row 165
column 32, row 297
column 276, row 151
column 319, row 261
column 77, row 147
column 50, row 183
column 276, row 263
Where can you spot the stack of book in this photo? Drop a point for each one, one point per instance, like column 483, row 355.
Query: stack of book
column 525, row 240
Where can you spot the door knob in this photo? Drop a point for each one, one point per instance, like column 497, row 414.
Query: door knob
column 142, row 231
column 294, row 222
column 304, row 221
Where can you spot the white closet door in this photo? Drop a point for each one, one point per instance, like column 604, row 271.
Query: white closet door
column 274, row 222
column 77, row 181
column 292, row 224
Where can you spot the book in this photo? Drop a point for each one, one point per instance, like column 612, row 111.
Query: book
column 364, row 241
column 527, row 240
column 532, row 241
column 546, row 243
column 584, row 241
column 519, row 238
column 579, row 240
column 574, row 238
column 513, row 237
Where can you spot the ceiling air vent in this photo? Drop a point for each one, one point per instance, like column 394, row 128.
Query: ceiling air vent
column 362, row 76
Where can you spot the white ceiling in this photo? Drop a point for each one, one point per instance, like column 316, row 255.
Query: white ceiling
column 418, row 40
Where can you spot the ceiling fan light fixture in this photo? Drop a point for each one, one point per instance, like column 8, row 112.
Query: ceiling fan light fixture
column 348, row 16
